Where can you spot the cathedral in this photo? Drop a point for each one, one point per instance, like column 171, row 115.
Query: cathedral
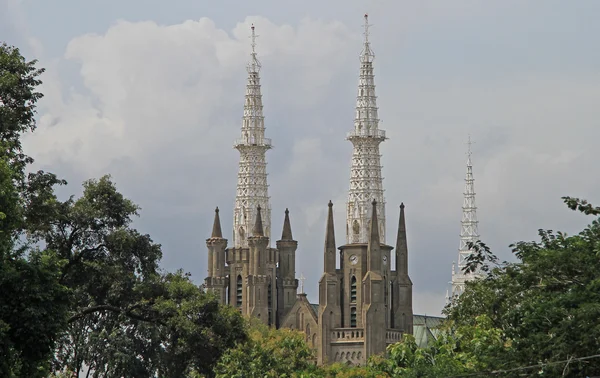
column 365, row 304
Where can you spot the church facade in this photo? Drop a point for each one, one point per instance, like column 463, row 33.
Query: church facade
column 366, row 303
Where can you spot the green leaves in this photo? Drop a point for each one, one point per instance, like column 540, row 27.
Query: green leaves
column 267, row 353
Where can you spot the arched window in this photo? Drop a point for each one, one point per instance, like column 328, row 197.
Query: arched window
column 353, row 317
column 353, row 290
column 238, row 287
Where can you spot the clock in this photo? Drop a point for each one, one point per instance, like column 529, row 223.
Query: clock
column 384, row 260
column 353, row 259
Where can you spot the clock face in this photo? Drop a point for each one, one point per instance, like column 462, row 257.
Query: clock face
column 384, row 260
column 353, row 259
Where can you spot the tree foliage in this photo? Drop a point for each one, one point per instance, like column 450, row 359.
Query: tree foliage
column 81, row 288
column 547, row 304
column 267, row 353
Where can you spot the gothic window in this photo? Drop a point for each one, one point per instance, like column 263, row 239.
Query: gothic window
column 353, row 290
column 353, row 317
column 238, row 301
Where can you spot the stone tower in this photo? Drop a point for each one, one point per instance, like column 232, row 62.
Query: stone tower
column 252, row 187
column 254, row 280
column 468, row 231
column 366, row 182
column 364, row 305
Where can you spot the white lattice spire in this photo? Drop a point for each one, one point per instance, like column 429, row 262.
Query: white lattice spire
column 366, row 182
column 252, row 187
column 468, row 230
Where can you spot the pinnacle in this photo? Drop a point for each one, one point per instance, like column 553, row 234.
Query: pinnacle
column 258, row 226
column 330, row 233
column 374, row 224
column 287, row 228
column 401, row 205
column 216, row 231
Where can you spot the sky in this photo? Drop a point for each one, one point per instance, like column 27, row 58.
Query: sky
column 151, row 92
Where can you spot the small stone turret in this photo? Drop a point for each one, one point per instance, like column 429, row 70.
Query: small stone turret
column 216, row 280
column 287, row 284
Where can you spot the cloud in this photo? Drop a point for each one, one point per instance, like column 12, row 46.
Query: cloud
column 158, row 107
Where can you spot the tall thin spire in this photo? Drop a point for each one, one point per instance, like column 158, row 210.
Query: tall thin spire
column 468, row 230
column 366, row 182
column 252, row 187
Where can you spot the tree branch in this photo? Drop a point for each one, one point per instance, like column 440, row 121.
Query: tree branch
column 124, row 311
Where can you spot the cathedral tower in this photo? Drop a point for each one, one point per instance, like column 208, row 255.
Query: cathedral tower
column 468, row 230
column 252, row 188
column 366, row 182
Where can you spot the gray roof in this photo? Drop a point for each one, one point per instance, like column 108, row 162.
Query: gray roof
column 426, row 329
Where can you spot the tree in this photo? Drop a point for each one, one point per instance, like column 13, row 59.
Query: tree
column 33, row 304
column 546, row 305
column 268, row 353
column 18, row 97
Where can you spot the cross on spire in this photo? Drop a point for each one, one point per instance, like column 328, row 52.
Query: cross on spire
column 302, row 278
column 366, row 26
column 254, row 65
column 367, row 54
column 469, row 144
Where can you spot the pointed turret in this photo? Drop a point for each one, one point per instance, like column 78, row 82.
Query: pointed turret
column 366, row 181
column 287, row 283
column 252, row 187
column 330, row 242
column 258, row 226
column 287, row 228
column 215, row 282
column 216, row 231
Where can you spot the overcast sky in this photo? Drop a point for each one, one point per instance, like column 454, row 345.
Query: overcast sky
column 152, row 92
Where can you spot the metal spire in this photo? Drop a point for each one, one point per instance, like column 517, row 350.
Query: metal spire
column 252, row 187
column 366, row 182
column 468, row 231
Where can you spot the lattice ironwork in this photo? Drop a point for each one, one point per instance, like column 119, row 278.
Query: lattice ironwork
column 468, row 230
column 252, row 188
column 366, row 182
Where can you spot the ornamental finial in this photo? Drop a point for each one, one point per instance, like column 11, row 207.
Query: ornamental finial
column 366, row 33
column 254, row 65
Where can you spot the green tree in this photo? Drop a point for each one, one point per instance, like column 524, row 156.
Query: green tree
column 267, row 353
column 33, row 304
column 547, row 304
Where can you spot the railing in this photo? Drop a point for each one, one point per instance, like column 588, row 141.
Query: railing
column 251, row 141
column 392, row 336
column 367, row 133
column 347, row 335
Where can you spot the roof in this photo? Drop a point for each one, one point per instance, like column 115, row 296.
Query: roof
column 426, row 329
column 315, row 308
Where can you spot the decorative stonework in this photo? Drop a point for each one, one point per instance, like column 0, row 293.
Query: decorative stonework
column 366, row 182
column 252, row 187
